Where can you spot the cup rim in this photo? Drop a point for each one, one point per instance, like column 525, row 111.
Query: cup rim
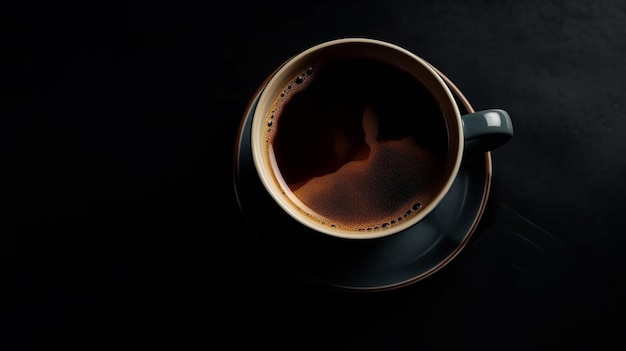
column 274, row 83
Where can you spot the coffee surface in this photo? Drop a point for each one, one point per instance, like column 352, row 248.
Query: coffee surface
column 360, row 142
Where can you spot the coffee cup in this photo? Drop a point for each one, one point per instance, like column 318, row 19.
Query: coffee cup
column 358, row 138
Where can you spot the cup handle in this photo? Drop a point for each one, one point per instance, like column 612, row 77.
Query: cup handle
column 486, row 130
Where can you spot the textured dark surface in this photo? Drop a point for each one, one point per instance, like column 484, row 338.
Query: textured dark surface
column 120, row 226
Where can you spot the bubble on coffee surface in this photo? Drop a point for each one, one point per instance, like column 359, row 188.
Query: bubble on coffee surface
column 296, row 84
column 361, row 187
column 270, row 122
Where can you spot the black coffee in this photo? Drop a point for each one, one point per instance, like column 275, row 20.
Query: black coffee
column 362, row 143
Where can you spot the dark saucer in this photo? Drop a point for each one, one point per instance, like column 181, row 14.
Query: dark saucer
column 370, row 264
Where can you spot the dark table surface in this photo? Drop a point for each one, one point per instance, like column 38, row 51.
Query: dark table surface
column 120, row 225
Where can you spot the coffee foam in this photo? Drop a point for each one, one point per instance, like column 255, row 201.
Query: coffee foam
column 364, row 186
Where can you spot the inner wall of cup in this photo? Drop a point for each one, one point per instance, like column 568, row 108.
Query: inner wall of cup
column 351, row 48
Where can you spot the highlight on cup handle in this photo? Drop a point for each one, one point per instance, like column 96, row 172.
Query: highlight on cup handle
column 486, row 130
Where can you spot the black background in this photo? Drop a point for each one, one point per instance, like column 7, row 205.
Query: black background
column 120, row 225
